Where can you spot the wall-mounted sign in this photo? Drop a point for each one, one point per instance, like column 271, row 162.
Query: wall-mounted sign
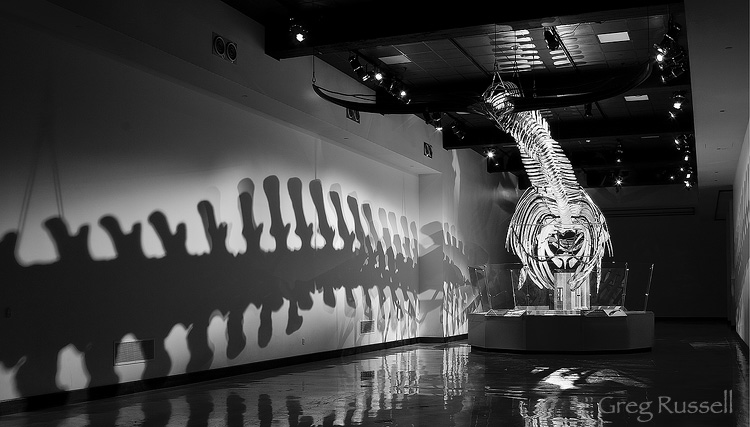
column 352, row 115
column 428, row 150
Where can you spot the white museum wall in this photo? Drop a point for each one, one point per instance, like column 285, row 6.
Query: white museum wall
column 740, row 285
column 167, row 206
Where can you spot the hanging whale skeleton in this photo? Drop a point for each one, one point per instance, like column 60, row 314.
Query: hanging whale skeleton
column 556, row 226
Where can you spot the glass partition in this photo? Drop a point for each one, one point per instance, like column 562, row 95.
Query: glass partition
column 623, row 286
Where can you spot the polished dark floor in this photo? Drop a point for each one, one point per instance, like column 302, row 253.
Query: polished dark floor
column 696, row 375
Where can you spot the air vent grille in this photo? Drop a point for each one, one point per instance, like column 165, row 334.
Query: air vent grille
column 366, row 326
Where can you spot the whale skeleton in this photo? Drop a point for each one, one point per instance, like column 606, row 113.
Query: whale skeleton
column 556, row 225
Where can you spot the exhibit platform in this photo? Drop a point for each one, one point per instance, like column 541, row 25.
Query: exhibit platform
column 601, row 330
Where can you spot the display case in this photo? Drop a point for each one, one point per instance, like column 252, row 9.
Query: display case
column 608, row 314
column 501, row 293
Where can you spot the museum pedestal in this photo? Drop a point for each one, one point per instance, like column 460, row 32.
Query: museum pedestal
column 555, row 331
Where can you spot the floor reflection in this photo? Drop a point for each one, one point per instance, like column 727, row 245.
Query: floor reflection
column 695, row 375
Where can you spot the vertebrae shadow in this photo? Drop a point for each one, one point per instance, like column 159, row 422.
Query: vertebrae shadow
column 92, row 303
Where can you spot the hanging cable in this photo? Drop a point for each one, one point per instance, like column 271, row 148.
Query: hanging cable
column 56, row 181
column 313, row 67
column 44, row 138
column 28, row 190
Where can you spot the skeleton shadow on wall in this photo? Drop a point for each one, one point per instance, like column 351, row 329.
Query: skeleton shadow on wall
column 90, row 303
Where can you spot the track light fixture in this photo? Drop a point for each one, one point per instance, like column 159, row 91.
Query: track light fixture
column 490, row 153
column 391, row 84
column 437, row 121
column 670, row 56
column 587, row 110
column 397, row 90
column 678, row 101
column 680, row 141
column 456, row 129
column 358, row 68
column 434, row 119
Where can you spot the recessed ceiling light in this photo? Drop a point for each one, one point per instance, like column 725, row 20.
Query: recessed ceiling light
column 631, row 98
column 396, row 59
column 613, row 37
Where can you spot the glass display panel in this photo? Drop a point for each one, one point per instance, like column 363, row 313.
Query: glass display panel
column 622, row 285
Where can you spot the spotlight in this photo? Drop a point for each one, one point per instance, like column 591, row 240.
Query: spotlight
column 403, row 95
column 437, row 121
column 378, row 76
column 298, row 32
column 678, row 101
column 396, row 89
column 358, row 68
column 460, row 133
column 433, row 119
column 673, row 72
column 490, row 153
column 680, row 141
column 618, row 183
column 678, row 98
column 587, row 110
column 550, row 36
column 671, row 57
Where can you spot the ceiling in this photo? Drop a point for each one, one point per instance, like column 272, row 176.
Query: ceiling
column 447, row 56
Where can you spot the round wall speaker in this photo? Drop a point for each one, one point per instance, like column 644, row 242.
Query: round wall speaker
column 220, row 47
column 232, row 51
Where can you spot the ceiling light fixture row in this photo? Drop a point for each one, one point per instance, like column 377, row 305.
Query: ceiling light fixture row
column 671, row 58
column 370, row 74
column 685, row 173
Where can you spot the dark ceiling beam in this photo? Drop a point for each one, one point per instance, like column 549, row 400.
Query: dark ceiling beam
column 478, row 138
column 369, row 24
column 577, row 131
column 647, row 161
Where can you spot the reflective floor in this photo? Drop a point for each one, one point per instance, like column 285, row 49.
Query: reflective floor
column 696, row 375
